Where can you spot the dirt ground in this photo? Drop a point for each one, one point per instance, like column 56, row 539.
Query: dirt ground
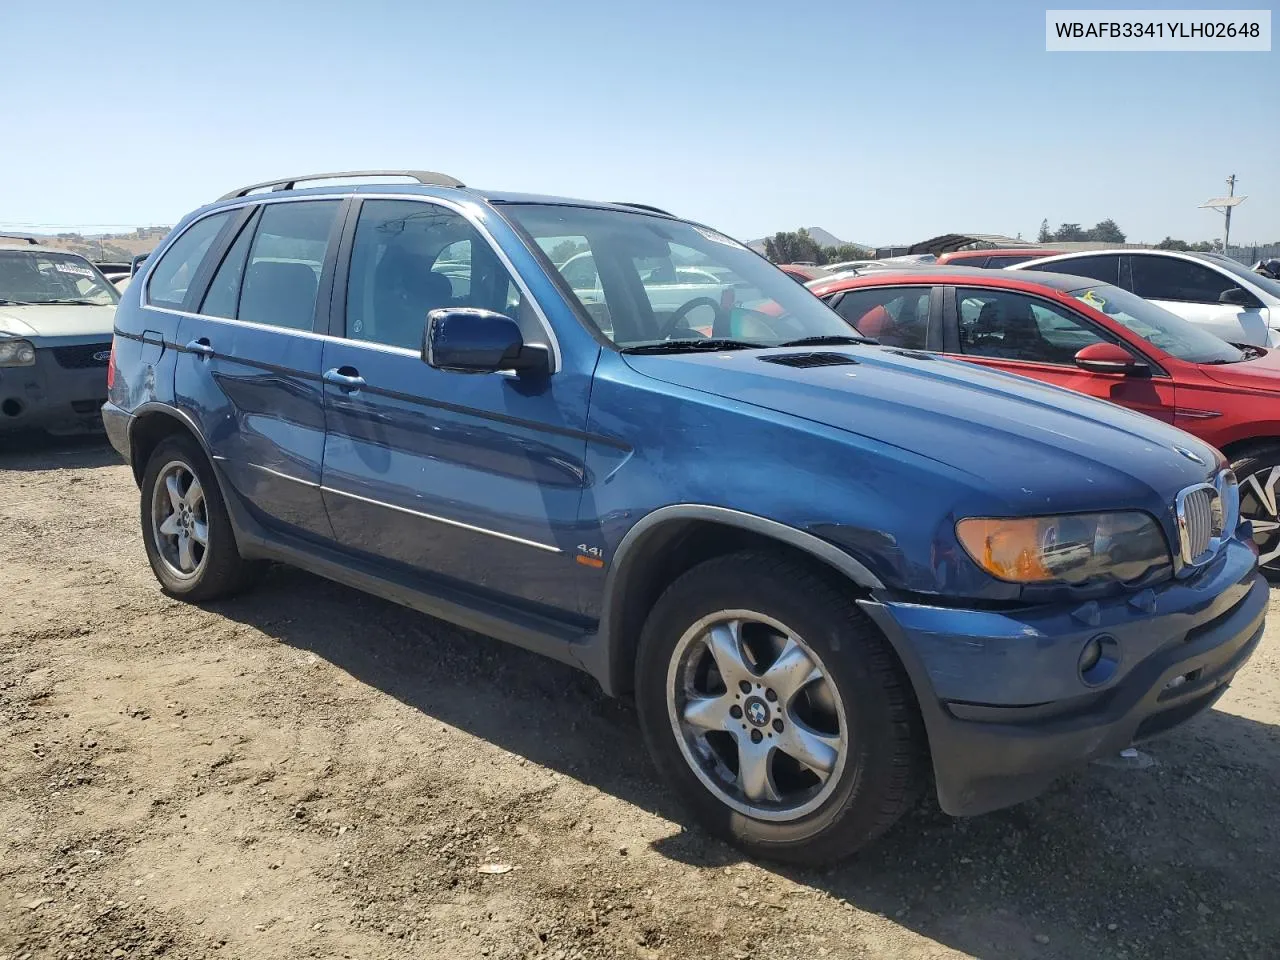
column 306, row 771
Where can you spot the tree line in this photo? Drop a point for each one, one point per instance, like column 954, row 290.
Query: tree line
column 796, row 246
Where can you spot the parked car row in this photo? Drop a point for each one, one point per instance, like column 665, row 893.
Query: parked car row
column 833, row 573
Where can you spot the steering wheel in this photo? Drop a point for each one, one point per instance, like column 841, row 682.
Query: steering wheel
column 680, row 312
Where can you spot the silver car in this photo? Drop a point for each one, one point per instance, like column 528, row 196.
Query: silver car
column 56, row 315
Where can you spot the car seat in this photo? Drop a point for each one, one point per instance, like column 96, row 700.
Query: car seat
column 282, row 294
column 405, row 290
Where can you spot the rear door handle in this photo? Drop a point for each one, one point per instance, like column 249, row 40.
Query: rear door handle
column 345, row 378
column 200, row 347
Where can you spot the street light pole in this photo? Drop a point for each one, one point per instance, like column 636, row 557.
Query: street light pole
column 1226, row 231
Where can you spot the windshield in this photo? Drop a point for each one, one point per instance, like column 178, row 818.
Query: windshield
column 39, row 276
column 1158, row 326
column 645, row 279
column 1240, row 270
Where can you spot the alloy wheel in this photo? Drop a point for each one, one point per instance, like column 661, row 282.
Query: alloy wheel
column 756, row 715
column 179, row 520
column 1258, row 505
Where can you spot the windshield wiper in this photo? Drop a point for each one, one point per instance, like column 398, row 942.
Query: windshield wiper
column 693, row 344
column 828, row 340
column 73, row 301
column 14, row 303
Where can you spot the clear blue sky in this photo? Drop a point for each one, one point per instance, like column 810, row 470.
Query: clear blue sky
column 883, row 123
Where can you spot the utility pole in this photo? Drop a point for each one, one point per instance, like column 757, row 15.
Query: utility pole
column 1226, row 230
column 1224, row 205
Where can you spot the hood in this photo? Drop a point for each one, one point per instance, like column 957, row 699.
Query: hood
column 1261, row 373
column 1032, row 446
column 57, row 321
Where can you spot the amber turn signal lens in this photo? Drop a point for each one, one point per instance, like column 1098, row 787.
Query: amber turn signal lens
column 1008, row 549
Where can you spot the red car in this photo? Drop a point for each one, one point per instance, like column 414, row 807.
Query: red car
column 1092, row 337
column 996, row 258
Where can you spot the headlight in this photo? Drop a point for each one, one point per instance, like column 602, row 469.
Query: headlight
column 1072, row 548
column 17, row 353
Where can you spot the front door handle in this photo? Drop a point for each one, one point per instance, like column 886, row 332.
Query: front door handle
column 347, row 379
column 200, row 347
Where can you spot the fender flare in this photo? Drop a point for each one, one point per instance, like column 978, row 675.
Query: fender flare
column 607, row 661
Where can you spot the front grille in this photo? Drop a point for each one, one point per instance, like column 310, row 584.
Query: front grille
column 83, row 356
column 810, row 359
column 1199, row 522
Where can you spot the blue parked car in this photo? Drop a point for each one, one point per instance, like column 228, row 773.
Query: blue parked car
column 824, row 568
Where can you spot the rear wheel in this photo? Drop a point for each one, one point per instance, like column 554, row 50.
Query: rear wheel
column 777, row 709
column 1258, row 470
column 188, row 535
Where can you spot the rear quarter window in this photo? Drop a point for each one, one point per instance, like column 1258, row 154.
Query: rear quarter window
column 171, row 277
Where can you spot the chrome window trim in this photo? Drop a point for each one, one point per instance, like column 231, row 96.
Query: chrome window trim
column 510, row 538
column 262, row 199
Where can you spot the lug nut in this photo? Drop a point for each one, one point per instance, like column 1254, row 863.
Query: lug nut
column 744, row 686
column 736, row 712
column 777, row 725
column 756, row 736
column 770, row 695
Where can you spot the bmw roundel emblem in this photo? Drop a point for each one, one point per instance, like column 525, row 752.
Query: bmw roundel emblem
column 1190, row 455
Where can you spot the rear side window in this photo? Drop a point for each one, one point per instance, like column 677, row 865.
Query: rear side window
column 1169, row 278
column 171, row 277
column 286, row 258
column 1106, row 269
column 896, row 316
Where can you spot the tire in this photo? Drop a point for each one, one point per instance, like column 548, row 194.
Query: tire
column 1262, row 463
column 216, row 568
column 872, row 777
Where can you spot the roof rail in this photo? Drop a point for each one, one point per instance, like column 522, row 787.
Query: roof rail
column 645, row 206
column 20, row 236
column 288, row 183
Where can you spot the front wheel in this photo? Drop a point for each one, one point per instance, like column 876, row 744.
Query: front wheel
column 777, row 709
column 1258, row 471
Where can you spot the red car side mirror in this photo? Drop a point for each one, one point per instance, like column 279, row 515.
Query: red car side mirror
column 1111, row 358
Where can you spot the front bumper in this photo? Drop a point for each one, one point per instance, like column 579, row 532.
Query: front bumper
column 1004, row 705
column 62, row 392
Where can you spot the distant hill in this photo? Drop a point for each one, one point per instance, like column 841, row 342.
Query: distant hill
column 823, row 238
column 105, row 246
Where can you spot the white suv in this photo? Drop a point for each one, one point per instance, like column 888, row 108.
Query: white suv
column 1208, row 289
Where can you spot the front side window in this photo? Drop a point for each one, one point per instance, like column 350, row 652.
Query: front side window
column 286, row 258
column 667, row 280
column 896, row 316
column 170, row 279
column 42, row 276
column 1171, row 278
column 1005, row 325
column 1158, row 326
column 409, row 258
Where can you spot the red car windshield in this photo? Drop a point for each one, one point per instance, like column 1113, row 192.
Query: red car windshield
column 1158, row 326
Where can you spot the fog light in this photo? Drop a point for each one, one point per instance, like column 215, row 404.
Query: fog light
column 1099, row 660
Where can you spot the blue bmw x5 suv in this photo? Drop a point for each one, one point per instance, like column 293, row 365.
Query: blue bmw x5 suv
column 832, row 574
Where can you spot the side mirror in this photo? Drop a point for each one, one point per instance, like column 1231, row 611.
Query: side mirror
column 1237, row 297
column 470, row 340
column 136, row 262
column 1110, row 358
